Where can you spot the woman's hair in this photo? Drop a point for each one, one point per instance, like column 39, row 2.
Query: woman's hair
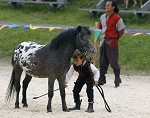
column 116, row 9
column 78, row 54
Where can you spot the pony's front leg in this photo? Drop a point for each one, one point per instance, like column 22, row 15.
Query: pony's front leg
column 63, row 94
column 50, row 93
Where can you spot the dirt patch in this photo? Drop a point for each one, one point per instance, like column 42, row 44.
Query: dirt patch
column 131, row 99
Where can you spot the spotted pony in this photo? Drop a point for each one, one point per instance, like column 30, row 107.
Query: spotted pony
column 50, row 61
column 25, row 53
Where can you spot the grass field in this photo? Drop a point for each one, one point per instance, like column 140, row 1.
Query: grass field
column 134, row 51
column 66, row 15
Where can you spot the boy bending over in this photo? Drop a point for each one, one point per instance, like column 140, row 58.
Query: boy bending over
column 88, row 74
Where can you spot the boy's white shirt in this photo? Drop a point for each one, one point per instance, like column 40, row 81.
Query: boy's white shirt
column 93, row 68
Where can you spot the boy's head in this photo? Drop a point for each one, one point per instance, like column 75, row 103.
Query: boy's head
column 78, row 58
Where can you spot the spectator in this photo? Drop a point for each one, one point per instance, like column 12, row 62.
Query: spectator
column 135, row 3
column 125, row 4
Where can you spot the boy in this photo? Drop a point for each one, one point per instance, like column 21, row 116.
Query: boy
column 88, row 74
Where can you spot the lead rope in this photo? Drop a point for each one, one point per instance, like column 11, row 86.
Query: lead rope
column 100, row 90
column 102, row 94
column 44, row 94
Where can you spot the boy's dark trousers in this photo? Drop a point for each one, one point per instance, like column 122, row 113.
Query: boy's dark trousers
column 77, row 88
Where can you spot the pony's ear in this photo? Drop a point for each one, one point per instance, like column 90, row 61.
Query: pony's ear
column 79, row 29
column 86, row 27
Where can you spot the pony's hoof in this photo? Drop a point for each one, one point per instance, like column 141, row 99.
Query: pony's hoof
column 66, row 110
column 25, row 105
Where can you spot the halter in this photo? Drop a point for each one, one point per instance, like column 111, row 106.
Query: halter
column 78, row 45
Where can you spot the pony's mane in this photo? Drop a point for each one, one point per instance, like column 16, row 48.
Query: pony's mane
column 63, row 38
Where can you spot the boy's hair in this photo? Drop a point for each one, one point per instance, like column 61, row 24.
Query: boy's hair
column 78, row 54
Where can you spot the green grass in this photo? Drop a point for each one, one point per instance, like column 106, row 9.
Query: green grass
column 66, row 15
column 41, row 14
column 10, row 38
column 134, row 51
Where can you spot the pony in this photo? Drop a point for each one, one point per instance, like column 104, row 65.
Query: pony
column 50, row 61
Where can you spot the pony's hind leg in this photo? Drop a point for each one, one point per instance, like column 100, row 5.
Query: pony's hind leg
column 18, row 72
column 25, row 86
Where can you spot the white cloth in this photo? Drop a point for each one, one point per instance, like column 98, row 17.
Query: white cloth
column 95, row 72
column 120, row 25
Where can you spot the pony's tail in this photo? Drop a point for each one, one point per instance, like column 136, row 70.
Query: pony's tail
column 11, row 88
column 12, row 58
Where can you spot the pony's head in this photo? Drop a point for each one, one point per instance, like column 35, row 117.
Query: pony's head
column 83, row 40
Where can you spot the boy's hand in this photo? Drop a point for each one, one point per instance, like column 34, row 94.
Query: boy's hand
column 96, row 83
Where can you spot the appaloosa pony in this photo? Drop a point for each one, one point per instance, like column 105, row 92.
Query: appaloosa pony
column 50, row 61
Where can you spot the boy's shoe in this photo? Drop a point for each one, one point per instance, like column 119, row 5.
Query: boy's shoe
column 77, row 106
column 90, row 108
column 102, row 80
column 117, row 85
